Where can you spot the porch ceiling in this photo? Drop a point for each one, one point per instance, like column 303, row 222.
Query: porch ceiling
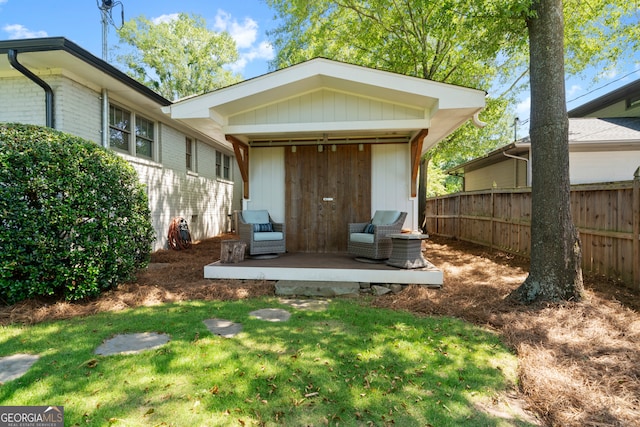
column 439, row 107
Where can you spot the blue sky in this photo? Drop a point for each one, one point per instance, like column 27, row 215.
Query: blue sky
column 80, row 21
column 246, row 20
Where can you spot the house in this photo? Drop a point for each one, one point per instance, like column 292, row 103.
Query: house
column 54, row 82
column 604, row 146
column 322, row 143
column 319, row 144
column 621, row 102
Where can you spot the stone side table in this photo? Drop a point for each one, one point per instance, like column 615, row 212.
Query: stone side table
column 406, row 251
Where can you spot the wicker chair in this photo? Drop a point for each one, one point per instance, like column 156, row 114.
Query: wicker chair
column 369, row 239
column 260, row 233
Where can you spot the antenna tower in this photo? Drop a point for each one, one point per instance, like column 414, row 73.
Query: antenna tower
column 106, row 10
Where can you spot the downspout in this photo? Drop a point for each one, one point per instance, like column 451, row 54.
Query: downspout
column 12, row 55
column 526, row 161
column 105, row 118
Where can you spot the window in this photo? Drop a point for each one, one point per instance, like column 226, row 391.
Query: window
column 121, row 123
column 144, row 137
column 223, row 166
column 189, row 150
column 119, row 128
column 633, row 102
column 226, row 167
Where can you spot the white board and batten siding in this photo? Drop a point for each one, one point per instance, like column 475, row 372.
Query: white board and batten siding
column 266, row 182
column 326, row 110
column 390, row 182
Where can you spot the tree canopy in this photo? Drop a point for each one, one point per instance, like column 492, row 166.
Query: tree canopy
column 178, row 57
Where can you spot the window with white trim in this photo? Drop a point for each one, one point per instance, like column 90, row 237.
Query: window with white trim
column 144, row 137
column 119, row 128
column 223, row 166
column 188, row 142
column 123, row 125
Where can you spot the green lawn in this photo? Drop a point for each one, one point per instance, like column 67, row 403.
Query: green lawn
column 348, row 365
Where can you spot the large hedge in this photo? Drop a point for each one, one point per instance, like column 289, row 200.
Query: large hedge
column 74, row 219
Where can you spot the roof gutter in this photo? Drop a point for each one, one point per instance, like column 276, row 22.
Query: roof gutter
column 12, row 55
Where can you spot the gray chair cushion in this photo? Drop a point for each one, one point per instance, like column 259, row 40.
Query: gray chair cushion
column 362, row 237
column 268, row 236
column 256, row 217
column 385, row 217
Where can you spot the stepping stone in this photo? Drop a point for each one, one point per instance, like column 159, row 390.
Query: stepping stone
column 224, row 328
column 15, row 366
column 271, row 314
column 306, row 304
column 132, row 343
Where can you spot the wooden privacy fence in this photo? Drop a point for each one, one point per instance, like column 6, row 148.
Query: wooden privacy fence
column 607, row 217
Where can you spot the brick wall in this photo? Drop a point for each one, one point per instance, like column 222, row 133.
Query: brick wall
column 197, row 195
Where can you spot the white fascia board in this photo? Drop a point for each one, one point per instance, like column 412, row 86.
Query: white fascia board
column 185, row 112
column 315, row 127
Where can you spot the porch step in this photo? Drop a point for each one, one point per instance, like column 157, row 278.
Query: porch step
column 316, row 288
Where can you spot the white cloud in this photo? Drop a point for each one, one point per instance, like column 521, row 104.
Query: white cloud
column 244, row 34
column 264, row 51
column 17, row 31
column 609, row 74
column 574, row 89
column 3, row 2
column 164, row 19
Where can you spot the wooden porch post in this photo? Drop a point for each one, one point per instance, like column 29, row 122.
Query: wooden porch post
column 416, row 152
column 242, row 158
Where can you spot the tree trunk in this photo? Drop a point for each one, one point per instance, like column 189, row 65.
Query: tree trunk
column 555, row 273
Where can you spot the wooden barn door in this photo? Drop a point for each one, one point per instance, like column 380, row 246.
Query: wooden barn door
column 325, row 190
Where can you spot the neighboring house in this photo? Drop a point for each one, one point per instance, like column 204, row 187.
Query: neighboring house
column 604, row 146
column 187, row 173
column 621, row 102
column 319, row 144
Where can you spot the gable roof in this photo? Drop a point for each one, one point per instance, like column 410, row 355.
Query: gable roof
column 322, row 98
column 585, row 134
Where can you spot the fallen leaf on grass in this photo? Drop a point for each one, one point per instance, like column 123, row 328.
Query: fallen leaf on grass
column 91, row 363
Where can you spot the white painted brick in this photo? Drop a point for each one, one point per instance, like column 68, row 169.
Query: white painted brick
column 198, row 197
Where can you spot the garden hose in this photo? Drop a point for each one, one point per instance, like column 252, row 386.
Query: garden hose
column 179, row 237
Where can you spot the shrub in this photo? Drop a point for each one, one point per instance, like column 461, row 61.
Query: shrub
column 74, row 218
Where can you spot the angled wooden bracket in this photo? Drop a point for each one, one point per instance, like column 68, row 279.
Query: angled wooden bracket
column 242, row 158
column 416, row 152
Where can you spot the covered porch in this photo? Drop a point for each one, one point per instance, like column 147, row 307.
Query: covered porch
column 323, row 144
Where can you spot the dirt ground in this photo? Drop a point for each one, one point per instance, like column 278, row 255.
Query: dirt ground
column 579, row 362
